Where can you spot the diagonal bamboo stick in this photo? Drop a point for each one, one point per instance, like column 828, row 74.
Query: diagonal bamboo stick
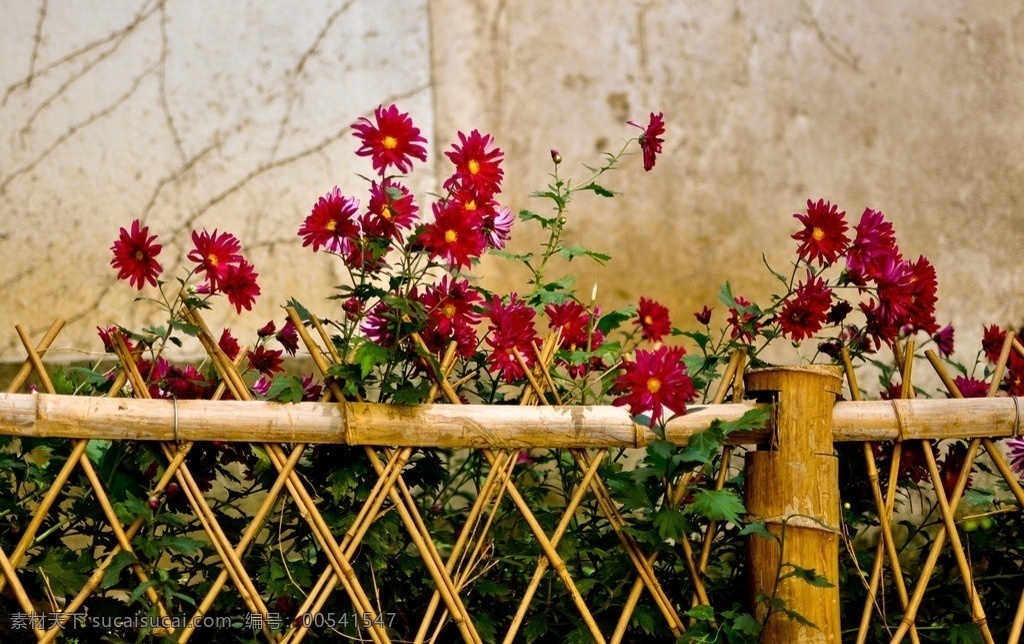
column 406, row 507
column 295, row 487
column 208, row 520
column 940, row 537
column 93, row 478
column 888, row 542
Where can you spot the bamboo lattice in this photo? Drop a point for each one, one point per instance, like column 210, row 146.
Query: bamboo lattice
column 910, row 424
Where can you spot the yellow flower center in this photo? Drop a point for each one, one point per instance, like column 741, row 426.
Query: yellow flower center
column 818, row 234
column 474, row 166
column 471, row 204
column 213, row 259
column 385, row 212
column 647, row 320
column 390, row 143
column 139, row 255
column 331, row 225
column 451, row 236
column 653, row 385
column 448, row 310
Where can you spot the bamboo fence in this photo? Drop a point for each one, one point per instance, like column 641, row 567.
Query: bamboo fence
column 792, row 481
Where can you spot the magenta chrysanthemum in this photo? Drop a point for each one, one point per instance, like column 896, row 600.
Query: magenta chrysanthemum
column 823, row 238
column 332, row 223
column 653, row 382
column 477, row 164
column 391, row 140
column 135, row 254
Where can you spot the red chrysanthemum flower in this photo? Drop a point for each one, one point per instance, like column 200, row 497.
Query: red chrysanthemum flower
column 453, row 236
column 451, row 303
column 288, row 336
column 477, row 164
column 135, row 254
column 186, row 383
column 824, row 235
column 239, row 285
column 511, row 328
column 704, row 315
column 992, row 340
column 653, row 320
column 266, row 361
column 228, row 344
column 804, row 312
column 106, row 336
column 944, row 341
column 895, row 293
column 744, row 321
column 923, row 288
column 380, row 324
column 653, row 382
column 214, row 253
column 950, row 466
column 650, row 140
column 391, row 211
column 872, row 249
column 332, row 223
column 971, row 387
column 392, row 141
column 577, row 332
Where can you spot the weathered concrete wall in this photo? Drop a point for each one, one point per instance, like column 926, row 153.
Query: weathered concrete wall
column 236, row 119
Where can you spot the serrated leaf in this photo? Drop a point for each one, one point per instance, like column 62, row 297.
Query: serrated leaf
column 703, row 445
column 614, row 319
column 720, row 505
column 183, row 545
column 286, row 389
column 702, row 612
column 62, row 571
column 753, row 419
column 808, row 575
column 671, row 524
column 758, row 528
column 598, row 189
column 117, row 564
column 746, row 624
column 369, row 355
column 535, row 627
column 725, row 295
column 304, row 314
column 572, row 252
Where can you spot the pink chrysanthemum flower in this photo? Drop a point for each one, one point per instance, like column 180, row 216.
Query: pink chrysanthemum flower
column 971, row 387
column 332, row 223
column 650, row 140
column 391, row 141
column 1015, row 450
column 239, row 285
column 477, row 164
column 653, row 320
column 823, row 238
column 653, row 382
column 135, row 254
column 213, row 253
column 804, row 312
column 497, row 227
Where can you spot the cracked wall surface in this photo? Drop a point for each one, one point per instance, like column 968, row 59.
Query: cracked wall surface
column 236, row 118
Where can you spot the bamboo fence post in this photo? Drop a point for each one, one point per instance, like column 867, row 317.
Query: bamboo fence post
column 793, row 487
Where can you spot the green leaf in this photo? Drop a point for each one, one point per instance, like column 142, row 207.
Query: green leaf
column 62, row 571
column 614, row 319
column 117, row 564
column 720, row 505
column 758, row 528
column 702, row 612
column 725, row 295
column 536, row 627
column 369, row 355
column 96, row 450
column 808, row 575
column 671, row 524
column 183, row 545
column 286, row 389
column 702, row 446
column 746, row 624
column 753, row 419
column 572, row 252
column 599, row 190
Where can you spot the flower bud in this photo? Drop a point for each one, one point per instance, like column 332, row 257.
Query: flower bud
column 154, row 502
column 555, row 156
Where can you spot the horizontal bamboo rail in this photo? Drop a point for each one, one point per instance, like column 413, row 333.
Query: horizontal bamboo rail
column 450, row 426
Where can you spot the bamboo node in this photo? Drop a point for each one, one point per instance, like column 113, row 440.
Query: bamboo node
column 176, row 441
column 1016, row 416
column 901, row 423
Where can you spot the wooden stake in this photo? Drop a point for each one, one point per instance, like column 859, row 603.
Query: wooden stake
column 793, row 489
